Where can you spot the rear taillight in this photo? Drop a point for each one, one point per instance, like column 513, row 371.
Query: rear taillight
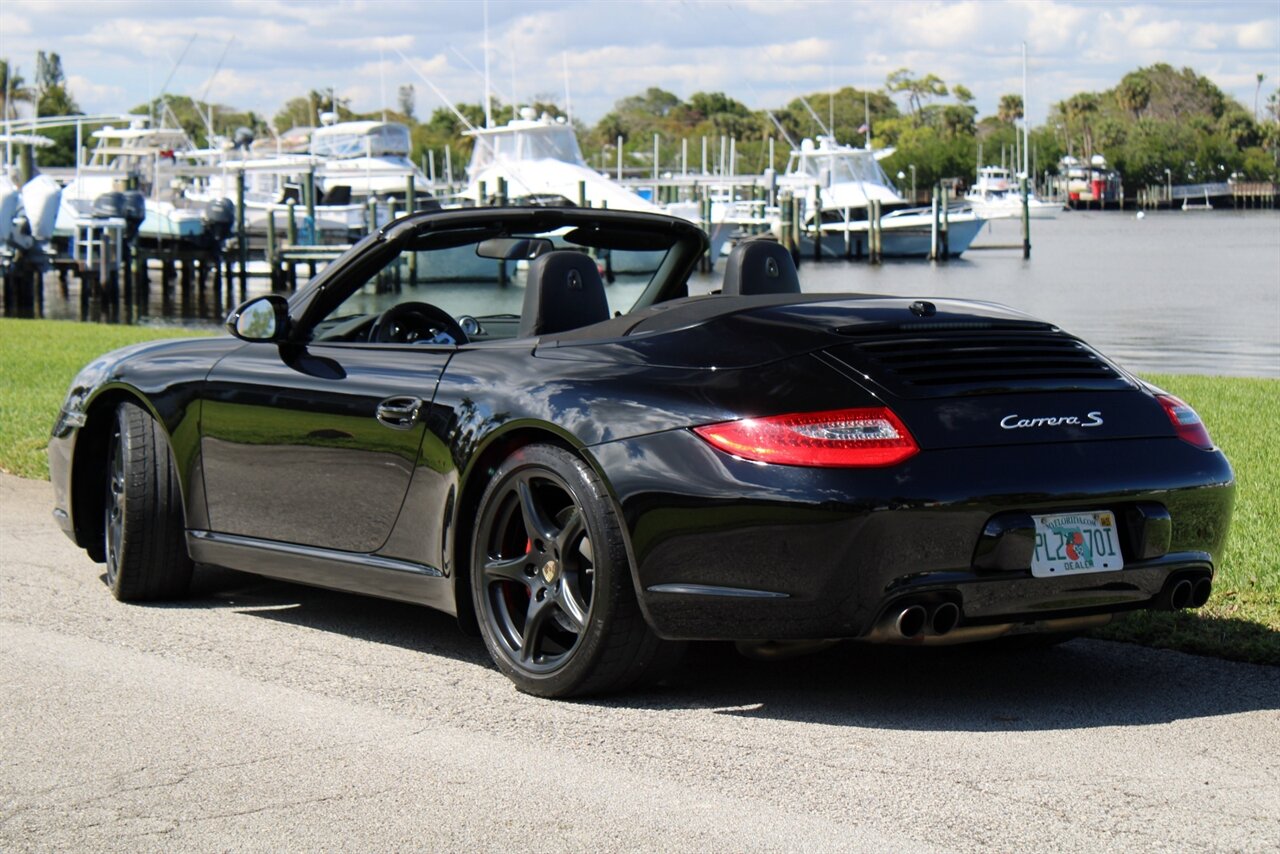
column 839, row 438
column 1186, row 422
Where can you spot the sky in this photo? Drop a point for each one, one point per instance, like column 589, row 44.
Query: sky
column 256, row 54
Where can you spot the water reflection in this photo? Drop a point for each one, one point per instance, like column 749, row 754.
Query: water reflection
column 1171, row 292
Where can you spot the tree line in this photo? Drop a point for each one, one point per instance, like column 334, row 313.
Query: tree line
column 1157, row 123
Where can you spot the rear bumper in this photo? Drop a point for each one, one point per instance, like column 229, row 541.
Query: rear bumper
column 728, row 549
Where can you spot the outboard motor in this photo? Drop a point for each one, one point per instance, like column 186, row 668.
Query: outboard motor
column 130, row 207
column 28, row 219
column 9, row 200
column 41, row 197
column 219, row 218
column 108, row 205
column 134, row 210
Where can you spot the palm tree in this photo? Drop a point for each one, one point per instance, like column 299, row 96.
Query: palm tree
column 1134, row 94
column 1081, row 108
column 12, row 90
column 1256, row 92
column 1010, row 109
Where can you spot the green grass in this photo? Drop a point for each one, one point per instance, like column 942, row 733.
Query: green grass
column 1241, row 621
column 38, row 358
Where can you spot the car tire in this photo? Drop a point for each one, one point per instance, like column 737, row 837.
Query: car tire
column 144, row 533
column 552, row 583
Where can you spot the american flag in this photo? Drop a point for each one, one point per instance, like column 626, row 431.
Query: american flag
column 864, row 128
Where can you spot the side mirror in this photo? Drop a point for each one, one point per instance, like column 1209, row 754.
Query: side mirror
column 260, row 319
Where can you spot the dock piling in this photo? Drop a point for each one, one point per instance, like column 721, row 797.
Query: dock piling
column 933, row 231
column 946, row 223
column 272, row 268
column 311, row 205
column 1026, row 219
column 242, row 246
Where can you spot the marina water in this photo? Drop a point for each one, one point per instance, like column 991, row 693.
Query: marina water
column 1171, row 291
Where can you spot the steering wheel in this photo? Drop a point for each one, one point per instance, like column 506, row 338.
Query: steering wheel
column 414, row 323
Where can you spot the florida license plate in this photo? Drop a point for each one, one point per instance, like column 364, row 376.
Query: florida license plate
column 1076, row 543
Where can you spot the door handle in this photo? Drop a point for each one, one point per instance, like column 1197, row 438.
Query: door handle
column 399, row 413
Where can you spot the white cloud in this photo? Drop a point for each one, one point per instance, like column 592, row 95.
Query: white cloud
column 13, row 25
column 1258, row 35
column 946, row 26
column 762, row 52
column 94, row 97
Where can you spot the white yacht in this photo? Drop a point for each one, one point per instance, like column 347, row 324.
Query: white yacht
column 838, row 182
column 1092, row 181
column 146, row 155
column 271, row 182
column 368, row 158
column 539, row 159
column 995, row 195
column 352, row 162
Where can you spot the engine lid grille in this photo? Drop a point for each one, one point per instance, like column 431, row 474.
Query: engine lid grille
column 944, row 359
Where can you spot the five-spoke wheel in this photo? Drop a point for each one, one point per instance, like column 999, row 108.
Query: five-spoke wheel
column 551, row 581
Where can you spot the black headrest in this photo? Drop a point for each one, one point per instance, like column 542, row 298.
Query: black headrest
column 760, row 267
column 564, row 292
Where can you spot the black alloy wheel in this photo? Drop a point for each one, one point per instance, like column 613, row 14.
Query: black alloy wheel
column 551, row 581
column 144, row 534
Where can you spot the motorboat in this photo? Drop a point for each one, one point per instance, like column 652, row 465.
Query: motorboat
column 995, row 195
column 350, row 166
column 836, row 184
column 145, row 158
column 1091, row 181
column 276, row 185
column 539, row 160
column 367, row 158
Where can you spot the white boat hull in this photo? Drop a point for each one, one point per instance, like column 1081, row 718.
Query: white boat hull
column 904, row 235
column 1012, row 209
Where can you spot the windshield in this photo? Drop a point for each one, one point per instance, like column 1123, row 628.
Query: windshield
column 380, row 140
column 464, row 284
column 843, row 166
column 539, row 142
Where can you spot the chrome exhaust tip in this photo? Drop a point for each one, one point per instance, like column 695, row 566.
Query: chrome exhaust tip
column 1180, row 595
column 911, row 620
column 945, row 618
column 1200, row 592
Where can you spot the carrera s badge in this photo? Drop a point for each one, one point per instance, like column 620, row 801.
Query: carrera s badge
column 1016, row 422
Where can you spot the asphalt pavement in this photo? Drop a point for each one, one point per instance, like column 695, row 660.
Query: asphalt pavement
column 259, row 715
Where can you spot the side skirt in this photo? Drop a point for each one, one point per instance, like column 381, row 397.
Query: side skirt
column 368, row 574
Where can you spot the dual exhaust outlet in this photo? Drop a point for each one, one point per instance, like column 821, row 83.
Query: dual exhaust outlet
column 938, row 620
column 1187, row 592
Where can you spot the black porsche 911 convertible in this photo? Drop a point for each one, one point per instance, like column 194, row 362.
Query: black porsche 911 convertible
column 461, row 413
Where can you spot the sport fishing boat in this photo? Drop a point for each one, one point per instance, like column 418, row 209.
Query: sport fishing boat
column 995, row 195
column 539, row 160
column 147, row 158
column 838, row 183
column 367, row 158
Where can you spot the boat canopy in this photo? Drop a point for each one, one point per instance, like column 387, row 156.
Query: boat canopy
column 525, row 139
column 361, row 139
column 841, row 163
